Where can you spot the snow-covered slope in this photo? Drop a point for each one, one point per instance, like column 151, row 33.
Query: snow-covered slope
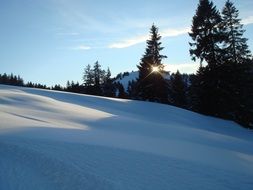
column 125, row 79
column 56, row 140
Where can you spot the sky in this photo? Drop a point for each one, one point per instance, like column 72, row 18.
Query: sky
column 51, row 41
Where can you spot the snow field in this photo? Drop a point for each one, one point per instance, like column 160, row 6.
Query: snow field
column 58, row 140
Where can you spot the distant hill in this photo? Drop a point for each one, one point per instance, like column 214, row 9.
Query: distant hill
column 126, row 77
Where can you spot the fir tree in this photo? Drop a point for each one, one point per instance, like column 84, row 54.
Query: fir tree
column 151, row 84
column 107, row 75
column 88, row 80
column 206, row 34
column 98, row 78
column 88, row 76
column 121, row 90
column 132, row 89
column 235, row 45
column 108, row 86
column 178, row 90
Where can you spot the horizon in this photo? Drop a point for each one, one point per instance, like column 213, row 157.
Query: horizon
column 51, row 41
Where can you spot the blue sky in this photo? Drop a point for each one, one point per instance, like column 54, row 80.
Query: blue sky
column 51, row 41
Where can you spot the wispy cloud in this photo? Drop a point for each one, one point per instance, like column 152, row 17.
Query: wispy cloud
column 183, row 68
column 174, row 32
column 142, row 38
column 129, row 42
column 248, row 20
column 80, row 47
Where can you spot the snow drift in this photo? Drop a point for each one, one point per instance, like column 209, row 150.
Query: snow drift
column 58, row 140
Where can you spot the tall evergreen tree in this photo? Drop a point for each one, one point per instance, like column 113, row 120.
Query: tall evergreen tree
column 121, row 91
column 88, row 76
column 88, row 80
column 108, row 75
column 178, row 90
column 132, row 89
column 235, row 45
column 97, row 73
column 205, row 33
column 108, row 86
column 98, row 78
column 151, row 84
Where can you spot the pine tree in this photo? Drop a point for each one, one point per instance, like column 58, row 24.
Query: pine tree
column 108, row 86
column 108, row 75
column 236, row 74
column 206, row 34
column 88, row 76
column 98, row 77
column 235, row 45
column 88, row 80
column 132, row 89
column 20, row 81
column 121, row 90
column 151, row 84
column 178, row 90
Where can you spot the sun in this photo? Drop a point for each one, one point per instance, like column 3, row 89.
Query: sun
column 155, row 69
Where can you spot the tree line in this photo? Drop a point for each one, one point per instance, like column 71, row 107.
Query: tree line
column 223, row 84
column 11, row 79
column 224, row 87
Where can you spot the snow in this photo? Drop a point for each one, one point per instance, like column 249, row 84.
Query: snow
column 128, row 78
column 57, row 140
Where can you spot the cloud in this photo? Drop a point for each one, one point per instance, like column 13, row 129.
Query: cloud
column 188, row 68
column 129, row 42
column 174, row 32
column 80, row 47
column 142, row 38
column 248, row 20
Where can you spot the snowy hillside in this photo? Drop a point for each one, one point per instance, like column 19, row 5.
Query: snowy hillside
column 56, row 141
column 125, row 79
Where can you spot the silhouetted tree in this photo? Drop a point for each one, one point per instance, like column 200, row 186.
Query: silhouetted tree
column 178, row 90
column 20, row 81
column 73, row 87
column 151, row 85
column 121, row 91
column 98, row 78
column 88, row 80
column 98, row 81
column 57, row 87
column 224, row 91
column 235, row 45
column 108, row 86
column 88, row 76
column 205, row 33
column 11, row 79
column 132, row 89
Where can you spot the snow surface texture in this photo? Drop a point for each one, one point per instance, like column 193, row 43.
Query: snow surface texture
column 56, row 140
